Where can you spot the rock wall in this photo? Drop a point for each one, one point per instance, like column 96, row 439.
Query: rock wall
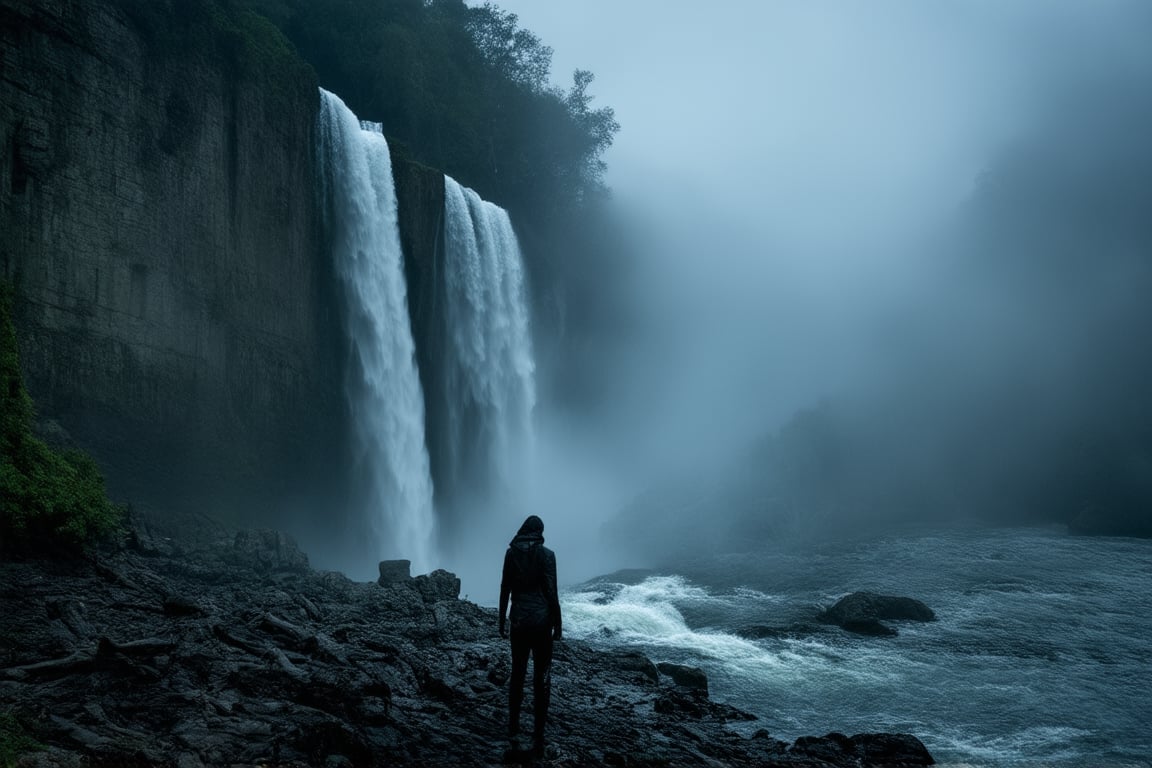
column 174, row 304
column 420, row 203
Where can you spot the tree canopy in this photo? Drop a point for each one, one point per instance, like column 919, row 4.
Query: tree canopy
column 464, row 89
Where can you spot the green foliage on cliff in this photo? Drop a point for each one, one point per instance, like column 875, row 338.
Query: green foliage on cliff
column 47, row 497
column 465, row 89
column 242, row 37
column 15, row 740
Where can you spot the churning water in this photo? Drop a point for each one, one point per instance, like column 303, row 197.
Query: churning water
column 1041, row 654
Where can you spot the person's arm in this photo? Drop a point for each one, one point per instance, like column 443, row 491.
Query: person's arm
column 551, row 593
column 505, row 591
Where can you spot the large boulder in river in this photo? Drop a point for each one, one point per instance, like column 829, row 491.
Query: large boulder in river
column 891, row 749
column 865, row 749
column 864, row 612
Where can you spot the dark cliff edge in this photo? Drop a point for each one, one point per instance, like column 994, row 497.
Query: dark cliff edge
column 225, row 648
column 420, row 204
column 174, row 306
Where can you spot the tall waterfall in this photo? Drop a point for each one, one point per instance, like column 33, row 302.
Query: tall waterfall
column 383, row 387
column 489, row 369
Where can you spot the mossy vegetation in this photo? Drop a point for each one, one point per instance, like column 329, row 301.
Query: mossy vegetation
column 48, row 498
column 15, row 740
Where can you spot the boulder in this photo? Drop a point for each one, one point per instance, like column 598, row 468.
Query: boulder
column 438, row 585
column 891, row 749
column 864, row 612
column 685, row 676
column 180, row 605
column 632, row 661
column 392, row 571
column 835, row 748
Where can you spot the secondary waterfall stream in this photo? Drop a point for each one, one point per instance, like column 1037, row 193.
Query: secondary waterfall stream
column 383, row 389
column 489, row 372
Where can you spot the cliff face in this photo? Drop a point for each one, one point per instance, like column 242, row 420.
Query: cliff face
column 158, row 220
column 420, row 203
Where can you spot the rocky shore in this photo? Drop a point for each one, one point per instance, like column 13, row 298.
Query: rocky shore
column 233, row 651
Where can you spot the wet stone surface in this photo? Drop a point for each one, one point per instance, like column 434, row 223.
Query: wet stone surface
column 235, row 652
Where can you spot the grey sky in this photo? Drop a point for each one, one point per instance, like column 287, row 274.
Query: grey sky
column 785, row 163
column 869, row 108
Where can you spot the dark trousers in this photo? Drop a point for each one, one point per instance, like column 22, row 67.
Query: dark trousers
column 536, row 641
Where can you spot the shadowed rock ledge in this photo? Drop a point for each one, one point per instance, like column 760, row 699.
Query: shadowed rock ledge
column 232, row 650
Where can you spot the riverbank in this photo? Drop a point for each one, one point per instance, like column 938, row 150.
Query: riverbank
column 229, row 649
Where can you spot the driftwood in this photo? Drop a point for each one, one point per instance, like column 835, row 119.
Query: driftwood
column 151, row 646
column 70, row 665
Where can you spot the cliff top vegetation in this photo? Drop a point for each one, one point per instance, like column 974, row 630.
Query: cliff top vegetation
column 463, row 89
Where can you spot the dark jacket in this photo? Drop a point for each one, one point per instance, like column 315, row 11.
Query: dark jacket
column 529, row 578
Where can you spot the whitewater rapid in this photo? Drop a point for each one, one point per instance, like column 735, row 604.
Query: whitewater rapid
column 1039, row 656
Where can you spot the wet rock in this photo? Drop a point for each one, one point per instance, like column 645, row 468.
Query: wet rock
column 682, row 675
column 864, row 613
column 392, row 571
column 680, row 704
column 296, row 667
column 638, row 663
column 438, row 585
column 834, row 748
column 267, row 550
column 177, row 605
column 891, row 749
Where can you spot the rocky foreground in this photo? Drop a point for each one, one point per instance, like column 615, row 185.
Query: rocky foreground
column 235, row 652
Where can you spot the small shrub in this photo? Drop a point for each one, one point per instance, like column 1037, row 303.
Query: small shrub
column 14, row 740
column 47, row 497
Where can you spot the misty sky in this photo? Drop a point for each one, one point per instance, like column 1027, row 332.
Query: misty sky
column 787, row 156
column 788, row 170
column 872, row 109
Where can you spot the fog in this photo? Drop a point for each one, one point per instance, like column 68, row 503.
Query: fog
column 829, row 203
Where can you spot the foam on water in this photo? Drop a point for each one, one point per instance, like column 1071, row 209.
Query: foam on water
column 648, row 615
column 1039, row 655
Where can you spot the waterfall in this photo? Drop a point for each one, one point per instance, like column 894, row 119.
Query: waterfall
column 489, row 371
column 383, row 388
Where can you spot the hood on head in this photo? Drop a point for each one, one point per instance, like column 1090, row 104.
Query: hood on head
column 531, row 533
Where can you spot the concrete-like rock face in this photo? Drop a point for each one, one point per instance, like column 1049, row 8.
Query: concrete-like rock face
column 178, row 653
column 157, row 205
column 865, row 612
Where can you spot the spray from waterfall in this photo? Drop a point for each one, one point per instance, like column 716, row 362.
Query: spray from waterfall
column 490, row 387
column 383, row 389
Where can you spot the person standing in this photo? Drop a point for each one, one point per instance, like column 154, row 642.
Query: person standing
column 529, row 579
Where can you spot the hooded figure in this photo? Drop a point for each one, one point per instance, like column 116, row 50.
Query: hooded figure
column 529, row 578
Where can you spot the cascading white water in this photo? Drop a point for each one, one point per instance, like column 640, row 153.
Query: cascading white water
column 384, row 392
column 490, row 370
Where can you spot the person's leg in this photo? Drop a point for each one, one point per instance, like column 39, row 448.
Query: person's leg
column 521, row 647
column 541, row 681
